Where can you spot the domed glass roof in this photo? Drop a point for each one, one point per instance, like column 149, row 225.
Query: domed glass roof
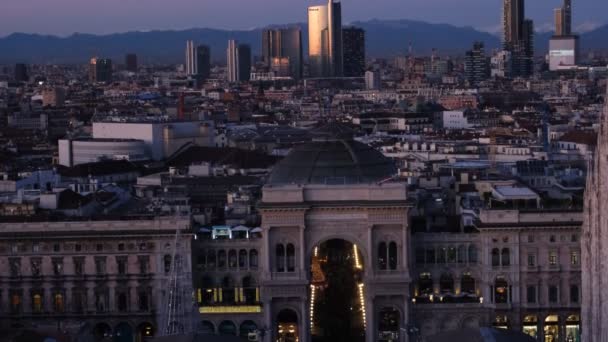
column 333, row 157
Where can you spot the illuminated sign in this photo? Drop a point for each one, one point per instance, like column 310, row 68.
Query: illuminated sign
column 230, row 309
column 561, row 53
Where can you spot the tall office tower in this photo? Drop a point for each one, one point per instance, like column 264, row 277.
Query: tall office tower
column 518, row 37
column 100, row 70
column 291, row 47
column 131, row 62
column 232, row 61
column 563, row 19
column 476, row 66
column 512, row 18
column 594, row 308
column 21, row 72
column 353, row 40
column 284, row 43
column 325, row 40
column 271, row 45
column 244, row 61
column 203, row 61
column 191, row 68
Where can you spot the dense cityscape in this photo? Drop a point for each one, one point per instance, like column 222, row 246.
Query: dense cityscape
column 310, row 193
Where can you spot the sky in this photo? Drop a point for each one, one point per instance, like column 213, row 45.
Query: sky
column 64, row 17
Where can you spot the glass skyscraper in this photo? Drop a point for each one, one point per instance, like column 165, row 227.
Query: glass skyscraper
column 325, row 40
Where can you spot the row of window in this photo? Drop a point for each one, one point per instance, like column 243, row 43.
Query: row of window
column 450, row 254
column 78, row 302
column 285, row 257
column 78, row 247
column 242, row 260
column 553, row 258
column 387, row 256
column 58, row 269
column 553, row 294
column 228, row 292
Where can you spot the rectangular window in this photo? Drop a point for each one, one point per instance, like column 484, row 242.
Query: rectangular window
column 574, row 258
column 121, row 263
column 15, row 266
column 553, row 294
column 531, row 294
column 79, row 266
column 531, row 260
column 57, row 266
column 36, row 266
column 144, row 264
column 553, row 258
column 574, row 294
column 100, row 265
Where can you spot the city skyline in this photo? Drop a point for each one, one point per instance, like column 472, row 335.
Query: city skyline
column 63, row 18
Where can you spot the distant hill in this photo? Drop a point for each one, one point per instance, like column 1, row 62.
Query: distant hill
column 385, row 38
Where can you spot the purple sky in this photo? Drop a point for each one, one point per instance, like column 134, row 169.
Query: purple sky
column 64, row 17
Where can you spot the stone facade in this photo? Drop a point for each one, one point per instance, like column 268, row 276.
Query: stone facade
column 88, row 278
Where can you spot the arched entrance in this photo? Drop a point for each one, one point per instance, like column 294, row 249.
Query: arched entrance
column 287, row 326
column 227, row 328
column 101, row 331
column 123, row 333
column 145, row 332
column 337, row 293
column 205, row 328
column 388, row 324
column 247, row 328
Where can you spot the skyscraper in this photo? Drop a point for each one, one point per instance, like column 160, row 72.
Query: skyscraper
column 100, row 70
column 21, row 72
column 476, row 66
column 284, row 43
column 232, row 61
column 244, row 62
column 131, row 62
column 353, row 39
column 518, row 37
column 563, row 19
column 203, row 61
column 325, row 40
column 190, row 58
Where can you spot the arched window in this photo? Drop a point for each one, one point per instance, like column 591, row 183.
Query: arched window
column 462, row 254
column 495, row 257
column 280, row 258
column 501, row 291
column 451, row 255
column 467, row 284
column 242, row 259
column 472, row 254
column 382, row 252
column 430, row 256
column 253, row 259
column 505, row 257
column 446, row 283
column 207, row 291
column 228, row 290
column 441, row 255
column 232, row 262
column 425, row 284
column 291, row 258
column 58, row 302
column 227, row 328
column 574, row 294
column 221, row 259
column 250, row 290
column 167, row 260
column 392, row 256
column 122, row 302
column 210, row 259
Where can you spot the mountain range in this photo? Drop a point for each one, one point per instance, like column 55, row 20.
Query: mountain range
column 384, row 38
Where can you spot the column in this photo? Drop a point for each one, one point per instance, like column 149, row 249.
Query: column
column 268, row 323
column 90, row 293
column 406, row 320
column 540, row 334
column 27, row 299
column 111, row 296
column 370, row 329
column 302, row 253
column 305, row 321
column 265, row 253
column 370, row 257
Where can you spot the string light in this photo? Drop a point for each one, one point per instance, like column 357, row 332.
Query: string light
column 362, row 301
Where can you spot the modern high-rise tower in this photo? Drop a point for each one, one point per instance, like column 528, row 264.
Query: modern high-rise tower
column 518, row 37
column 203, row 61
column 284, row 43
column 476, row 66
column 563, row 19
column 353, row 39
column 190, row 58
column 100, row 70
column 232, row 61
column 325, row 40
column 244, row 62
column 131, row 62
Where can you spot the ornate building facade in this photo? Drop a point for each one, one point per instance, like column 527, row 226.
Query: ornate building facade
column 103, row 280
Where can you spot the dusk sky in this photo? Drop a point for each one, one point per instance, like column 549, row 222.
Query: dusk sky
column 63, row 17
